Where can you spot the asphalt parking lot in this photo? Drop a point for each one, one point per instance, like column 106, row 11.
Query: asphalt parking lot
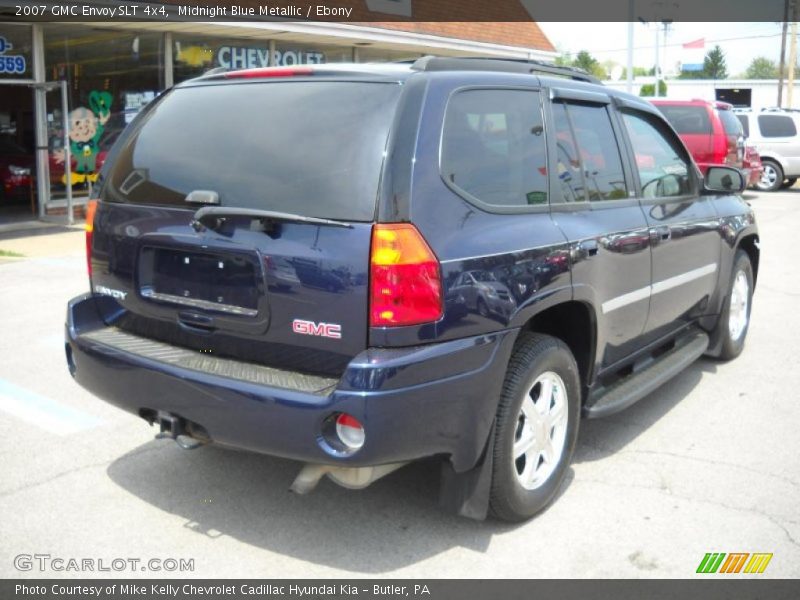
column 709, row 463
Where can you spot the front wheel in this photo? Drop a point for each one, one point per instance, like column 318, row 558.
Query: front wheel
column 771, row 177
column 536, row 427
column 735, row 318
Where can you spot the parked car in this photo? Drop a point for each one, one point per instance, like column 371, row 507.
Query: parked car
column 414, row 182
column 710, row 131
column 775, row 134
column 752, row 167
column 15, row 169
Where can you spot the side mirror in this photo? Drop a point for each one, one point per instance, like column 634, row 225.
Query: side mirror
column 724, row 180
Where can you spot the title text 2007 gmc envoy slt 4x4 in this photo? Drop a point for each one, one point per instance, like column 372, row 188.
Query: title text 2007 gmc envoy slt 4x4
column 358, row 266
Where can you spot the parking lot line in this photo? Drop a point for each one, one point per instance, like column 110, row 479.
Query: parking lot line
column 43, row 412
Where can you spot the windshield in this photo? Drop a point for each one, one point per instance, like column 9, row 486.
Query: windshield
column 313, row 148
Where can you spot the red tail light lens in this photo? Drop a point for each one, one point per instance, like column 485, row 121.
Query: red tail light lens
column 91, row 209
column 405, row 278
column 269, row 72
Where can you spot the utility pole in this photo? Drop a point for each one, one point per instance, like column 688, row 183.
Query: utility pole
column 782, row 65
column 629, row 70
column 792, row 57
column 658, row 65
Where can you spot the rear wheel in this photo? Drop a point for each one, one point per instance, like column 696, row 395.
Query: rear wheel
column 735, row 318
column 536, row 427
column 771, row 177
column 788, row 183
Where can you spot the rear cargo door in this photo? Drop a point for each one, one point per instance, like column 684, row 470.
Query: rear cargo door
column 236, row 218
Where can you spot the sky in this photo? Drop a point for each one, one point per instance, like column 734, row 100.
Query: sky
column 741, row 42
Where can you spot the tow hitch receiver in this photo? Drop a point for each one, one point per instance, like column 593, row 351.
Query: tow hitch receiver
column 175, row 428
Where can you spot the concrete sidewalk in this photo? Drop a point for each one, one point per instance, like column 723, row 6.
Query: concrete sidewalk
column 37, row 243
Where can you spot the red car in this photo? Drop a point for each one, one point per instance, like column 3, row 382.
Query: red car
column 710, row 130
column 15, row 169
column 752, row 166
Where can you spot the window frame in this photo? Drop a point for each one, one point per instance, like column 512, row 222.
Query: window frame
column 464, row 194
column 661, row 125
column 569, row 96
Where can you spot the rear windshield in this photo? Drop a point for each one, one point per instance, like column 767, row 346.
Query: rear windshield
column 687, row 119
column 730, row 123
column 311, row 148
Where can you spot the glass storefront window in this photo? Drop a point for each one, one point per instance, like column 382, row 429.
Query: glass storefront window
column 194, row 55
column 371, row 54
column 111, row 76
column 16, row 45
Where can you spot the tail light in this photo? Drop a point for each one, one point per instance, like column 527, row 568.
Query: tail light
column 405, row 277
column 262, row 72
column 91, row 209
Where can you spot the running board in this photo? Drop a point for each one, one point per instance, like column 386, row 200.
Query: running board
column 636, row 386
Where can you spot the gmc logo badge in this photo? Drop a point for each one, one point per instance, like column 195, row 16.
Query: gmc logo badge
column 328, row 330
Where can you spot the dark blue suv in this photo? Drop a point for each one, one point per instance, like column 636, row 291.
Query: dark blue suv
column 357, row 266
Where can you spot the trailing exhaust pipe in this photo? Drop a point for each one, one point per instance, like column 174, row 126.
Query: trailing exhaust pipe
column 354, row 478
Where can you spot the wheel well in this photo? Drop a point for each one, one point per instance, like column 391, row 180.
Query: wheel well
column 574, row 324
column 750, row 245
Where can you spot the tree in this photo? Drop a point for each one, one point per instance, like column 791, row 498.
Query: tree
column 587, row 62
column 648, row 89
column 761, row 68
column 714, row 66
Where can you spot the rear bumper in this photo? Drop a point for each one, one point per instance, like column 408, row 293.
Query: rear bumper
column 437, row 399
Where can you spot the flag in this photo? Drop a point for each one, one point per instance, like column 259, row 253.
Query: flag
column 692, row 55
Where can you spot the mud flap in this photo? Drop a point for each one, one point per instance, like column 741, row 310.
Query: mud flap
column 467, row 493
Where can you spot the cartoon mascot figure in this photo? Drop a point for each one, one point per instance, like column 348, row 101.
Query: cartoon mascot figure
column 86, row 126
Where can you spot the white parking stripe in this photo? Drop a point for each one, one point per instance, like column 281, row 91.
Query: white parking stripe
column 43, row 412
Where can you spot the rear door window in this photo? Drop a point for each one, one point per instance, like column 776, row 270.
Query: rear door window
column 776, row 126
column 313, row 148
column 687, row 119
column 588, row 165
column 493, row 147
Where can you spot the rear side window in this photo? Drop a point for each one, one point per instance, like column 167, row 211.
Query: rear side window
column 313, row 148
column 730, row 123
column 493, row 147
column 776, row 126
column 687, row 119
column 663, row 167
column 589, row 165
column 745, row 124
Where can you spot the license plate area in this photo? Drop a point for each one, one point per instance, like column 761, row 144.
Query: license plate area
column 225, row 283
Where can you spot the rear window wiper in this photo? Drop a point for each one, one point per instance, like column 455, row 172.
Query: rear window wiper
column 212, row 217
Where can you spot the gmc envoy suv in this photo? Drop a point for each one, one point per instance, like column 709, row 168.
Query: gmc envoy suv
column 358, row 266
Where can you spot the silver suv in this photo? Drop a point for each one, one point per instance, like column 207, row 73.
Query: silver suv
column 774, row 132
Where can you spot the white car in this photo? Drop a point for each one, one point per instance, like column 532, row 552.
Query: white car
column 776, row 135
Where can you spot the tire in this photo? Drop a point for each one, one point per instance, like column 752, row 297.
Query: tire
column 771, row 178
column 521, row 487
column 734, row 321
column 483, row 310
column 788, row 183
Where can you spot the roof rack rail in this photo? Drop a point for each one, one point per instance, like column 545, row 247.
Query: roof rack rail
column 510, row 65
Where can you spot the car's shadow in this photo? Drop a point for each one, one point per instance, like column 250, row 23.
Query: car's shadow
column 600, row 438
column 394, row 523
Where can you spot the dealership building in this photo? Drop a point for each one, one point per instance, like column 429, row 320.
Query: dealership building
column 101, row 75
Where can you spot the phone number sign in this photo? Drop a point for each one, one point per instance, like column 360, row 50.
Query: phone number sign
column 11, row 63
